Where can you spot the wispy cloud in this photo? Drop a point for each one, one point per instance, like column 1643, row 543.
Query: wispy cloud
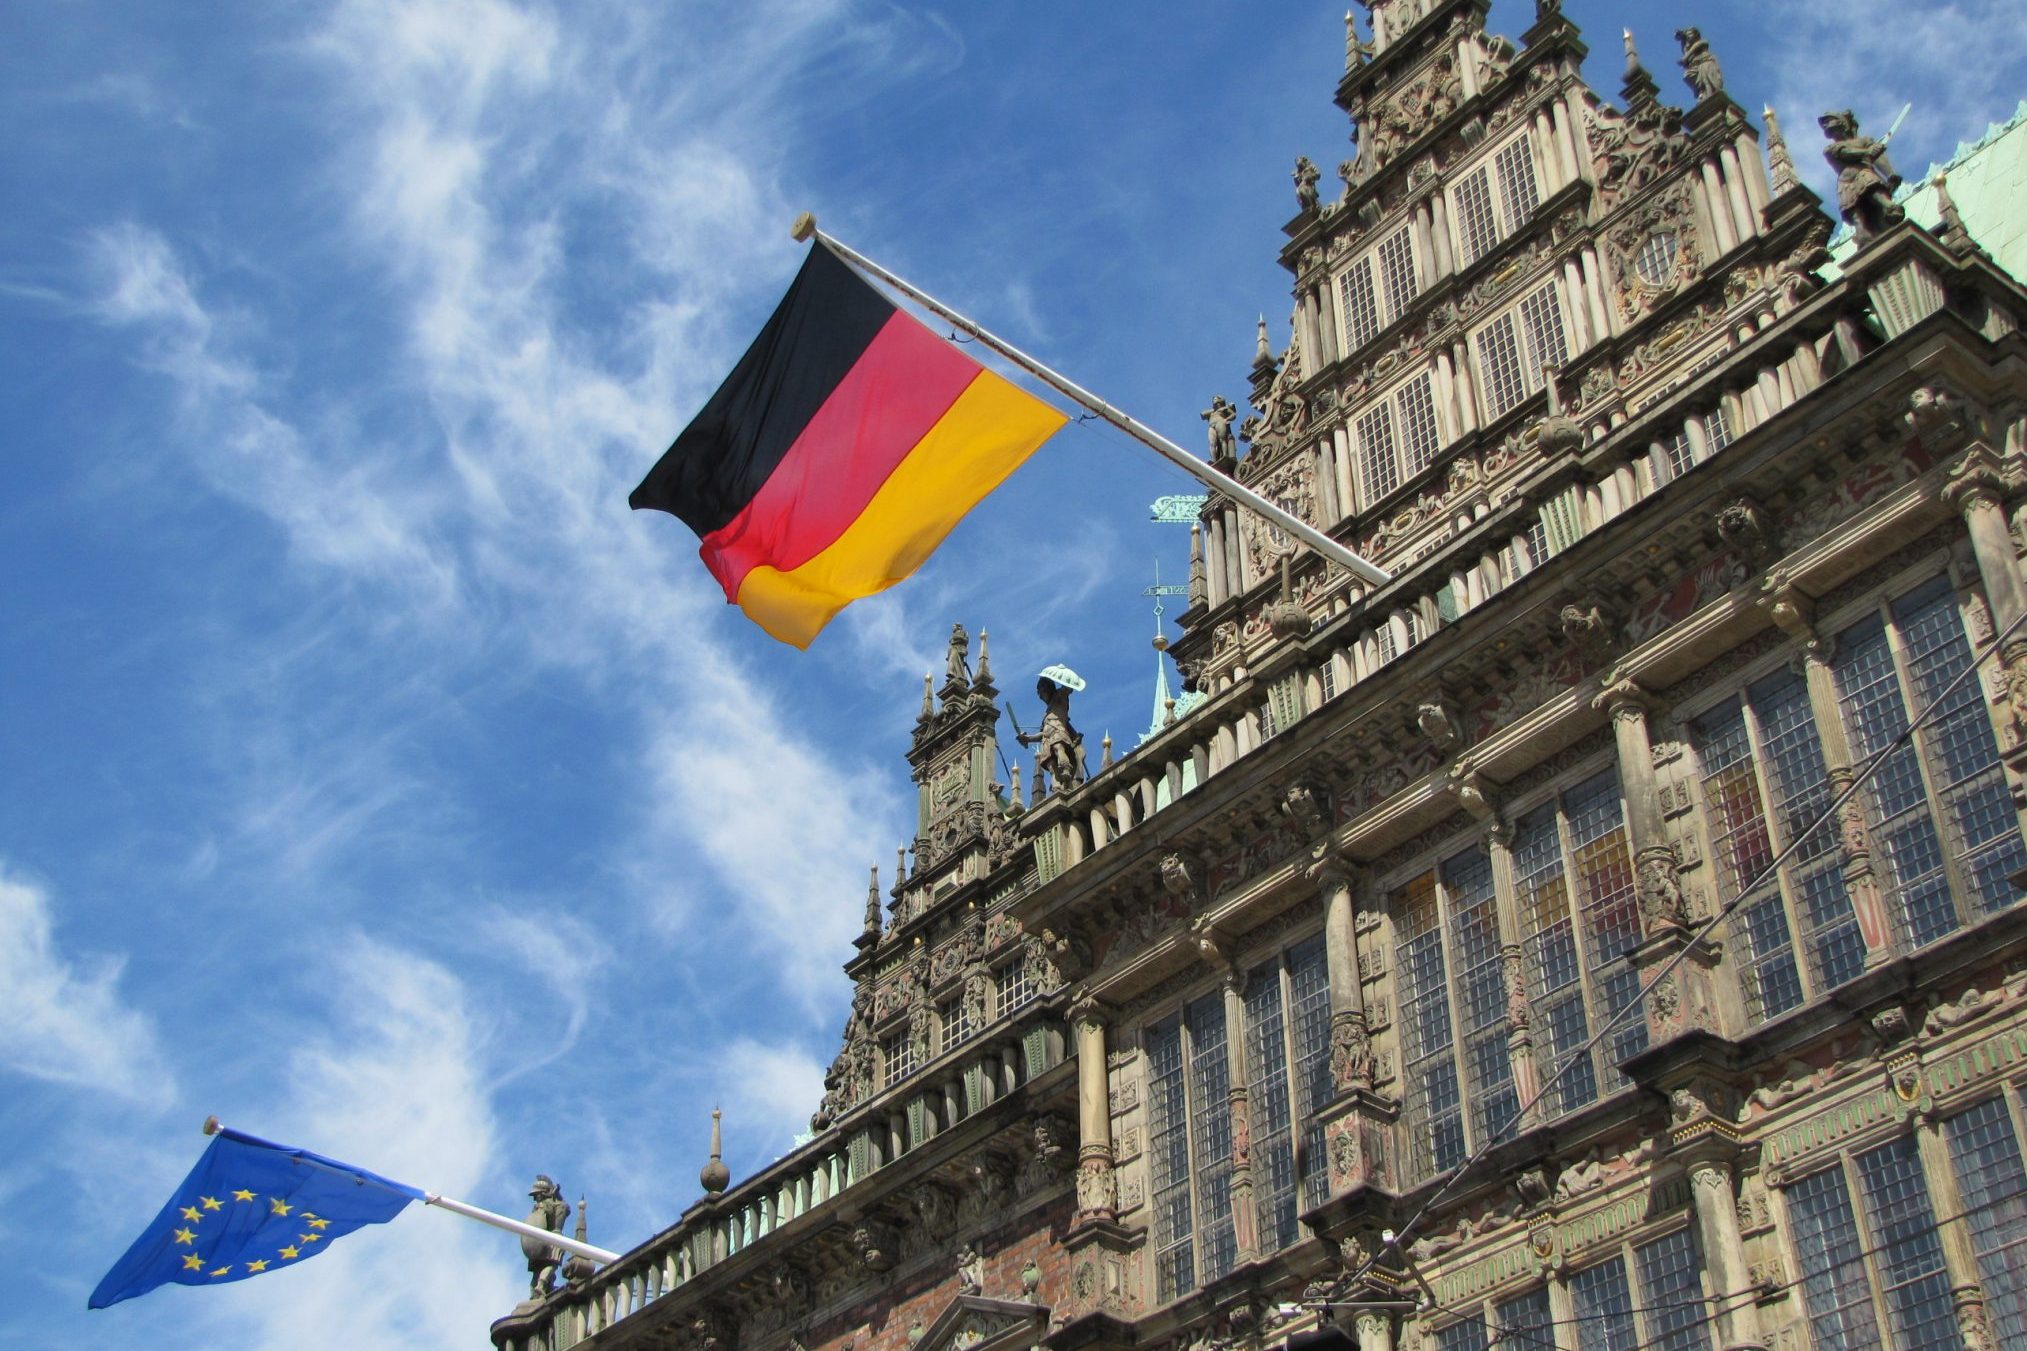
column 63, row 1018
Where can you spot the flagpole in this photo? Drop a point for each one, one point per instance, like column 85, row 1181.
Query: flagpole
column 805, row 229
column 471, row 1212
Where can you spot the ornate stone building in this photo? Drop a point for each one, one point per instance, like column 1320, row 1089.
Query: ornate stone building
column 1322, row 1011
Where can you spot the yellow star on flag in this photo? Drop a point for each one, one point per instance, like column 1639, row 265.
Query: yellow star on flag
column 185, row 1236
column 212, row 1203
column 242, row 1196
column 222, row 1270
column 288, row 1252
column 308, row 1238
column 192, row 1213
column 192, row 1262
column 257, row 1266
column 316, row 1223
column 277, row 1205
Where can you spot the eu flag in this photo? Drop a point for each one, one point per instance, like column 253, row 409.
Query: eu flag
column 250, row 1206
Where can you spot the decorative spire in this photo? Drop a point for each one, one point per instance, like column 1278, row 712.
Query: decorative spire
column 1106, row 743
column 714, row 1175
column 1018, row 805
column 873, row 902
column 928, row 699
column 900, row 867
column 1638, row 88
column 1285, row 618
column 1954, row 236
column 579, row 1268
column 983, row 681
column 1780, row 164
column 1263, row 354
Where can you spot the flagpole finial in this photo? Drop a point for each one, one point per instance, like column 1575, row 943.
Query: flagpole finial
column 211, row 1126
column 804, row 227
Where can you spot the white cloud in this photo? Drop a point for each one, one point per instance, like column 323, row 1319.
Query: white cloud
column 395, row 1083
column 63, row 1019
column 1958, row 64
column 771, row 1098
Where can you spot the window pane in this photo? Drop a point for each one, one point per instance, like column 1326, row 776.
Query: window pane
column 1903, row 834
column 1499, row 372
column 1677, row 1317
column 1833, row 1269
column 1602, row 863
column 1909, row 1253
column 1397, row 271
column 1742, row 846
column 1681, row 454
column 1378, row 465
column 1603, row 1308
column 1210, row 1093
column 1799, row 783
column 1717, row 429
column 1516, row 183
column 1168, row 1161
column 1526, row 1320
column 1542, row 313
column 1309, row 1001
column 1476, row 232
column 1980, row 828
column 1419, row 437
column 1433, row 1112
column 1469, row 1335
column 1481, row 990
column 1267, row 1098
column 1355, row 297
column 1993, row 1187
column 1549, row 952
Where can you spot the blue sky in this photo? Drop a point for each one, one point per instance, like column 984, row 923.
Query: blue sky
column 369, row 775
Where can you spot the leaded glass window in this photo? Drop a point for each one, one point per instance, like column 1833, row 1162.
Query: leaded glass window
column 1287, row 1005
column 1716, row 430
column 1494, row 200
column 1579, row 920
column 955, row 1015
column 1420, row 438
column 1680, row 453
column 1673, row 1310
column 1397, row 271
column 1190, row 1144
column 1942, row 820
column 1517, row 190
column 1764, row 782
column 1477, row 226
column 1359, row 304
column 1871, row 1261
column 1016, row 984
column 1602, row 1305
column 1513, row 348
column 897, row 1054
column 1378, row 462
column 1992, row 1183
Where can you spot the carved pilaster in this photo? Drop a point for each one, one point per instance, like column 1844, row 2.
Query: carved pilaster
column 1960, row 1258
column 1097, row 1190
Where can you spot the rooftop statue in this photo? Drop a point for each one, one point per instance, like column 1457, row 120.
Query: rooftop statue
column 960, row 648
column 1220, row 415
column 1865, row 177
column 1699, row 65
column 550, row 1211
column 1306, row 176
column 1061, row 753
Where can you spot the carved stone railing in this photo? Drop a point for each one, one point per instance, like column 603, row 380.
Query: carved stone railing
column 801, row 1191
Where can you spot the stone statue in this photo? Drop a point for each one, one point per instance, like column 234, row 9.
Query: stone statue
column 1306, row 178
column 960, row 648
column 970, row 1271
column 550, row 1211
column 1546, row 9
column 1221, row 415
column 1699, row 65
column 1865, row 177
column 1062, row 746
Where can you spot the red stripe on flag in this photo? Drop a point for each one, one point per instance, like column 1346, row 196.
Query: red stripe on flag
column 906, row 380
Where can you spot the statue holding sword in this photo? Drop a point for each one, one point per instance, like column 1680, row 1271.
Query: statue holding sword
column 1865, row 177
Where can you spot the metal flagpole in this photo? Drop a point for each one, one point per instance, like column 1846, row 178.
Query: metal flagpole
column 471, row 1212
column 805, row 229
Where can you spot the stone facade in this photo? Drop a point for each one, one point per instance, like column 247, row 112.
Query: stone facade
column 1560, row 940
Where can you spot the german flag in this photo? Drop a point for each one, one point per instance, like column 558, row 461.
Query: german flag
column 844, row 446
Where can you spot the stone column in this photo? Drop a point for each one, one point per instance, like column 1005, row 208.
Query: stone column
column 1712, row 1190
column 1977, row 489
column 1358, row 1122
column 1794, row 615
column 1512, row 969
column 1960, row 1258
column 1682, row 1000
column 1375, row 1331
column 1097, row 1189
column 1245, row 1213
